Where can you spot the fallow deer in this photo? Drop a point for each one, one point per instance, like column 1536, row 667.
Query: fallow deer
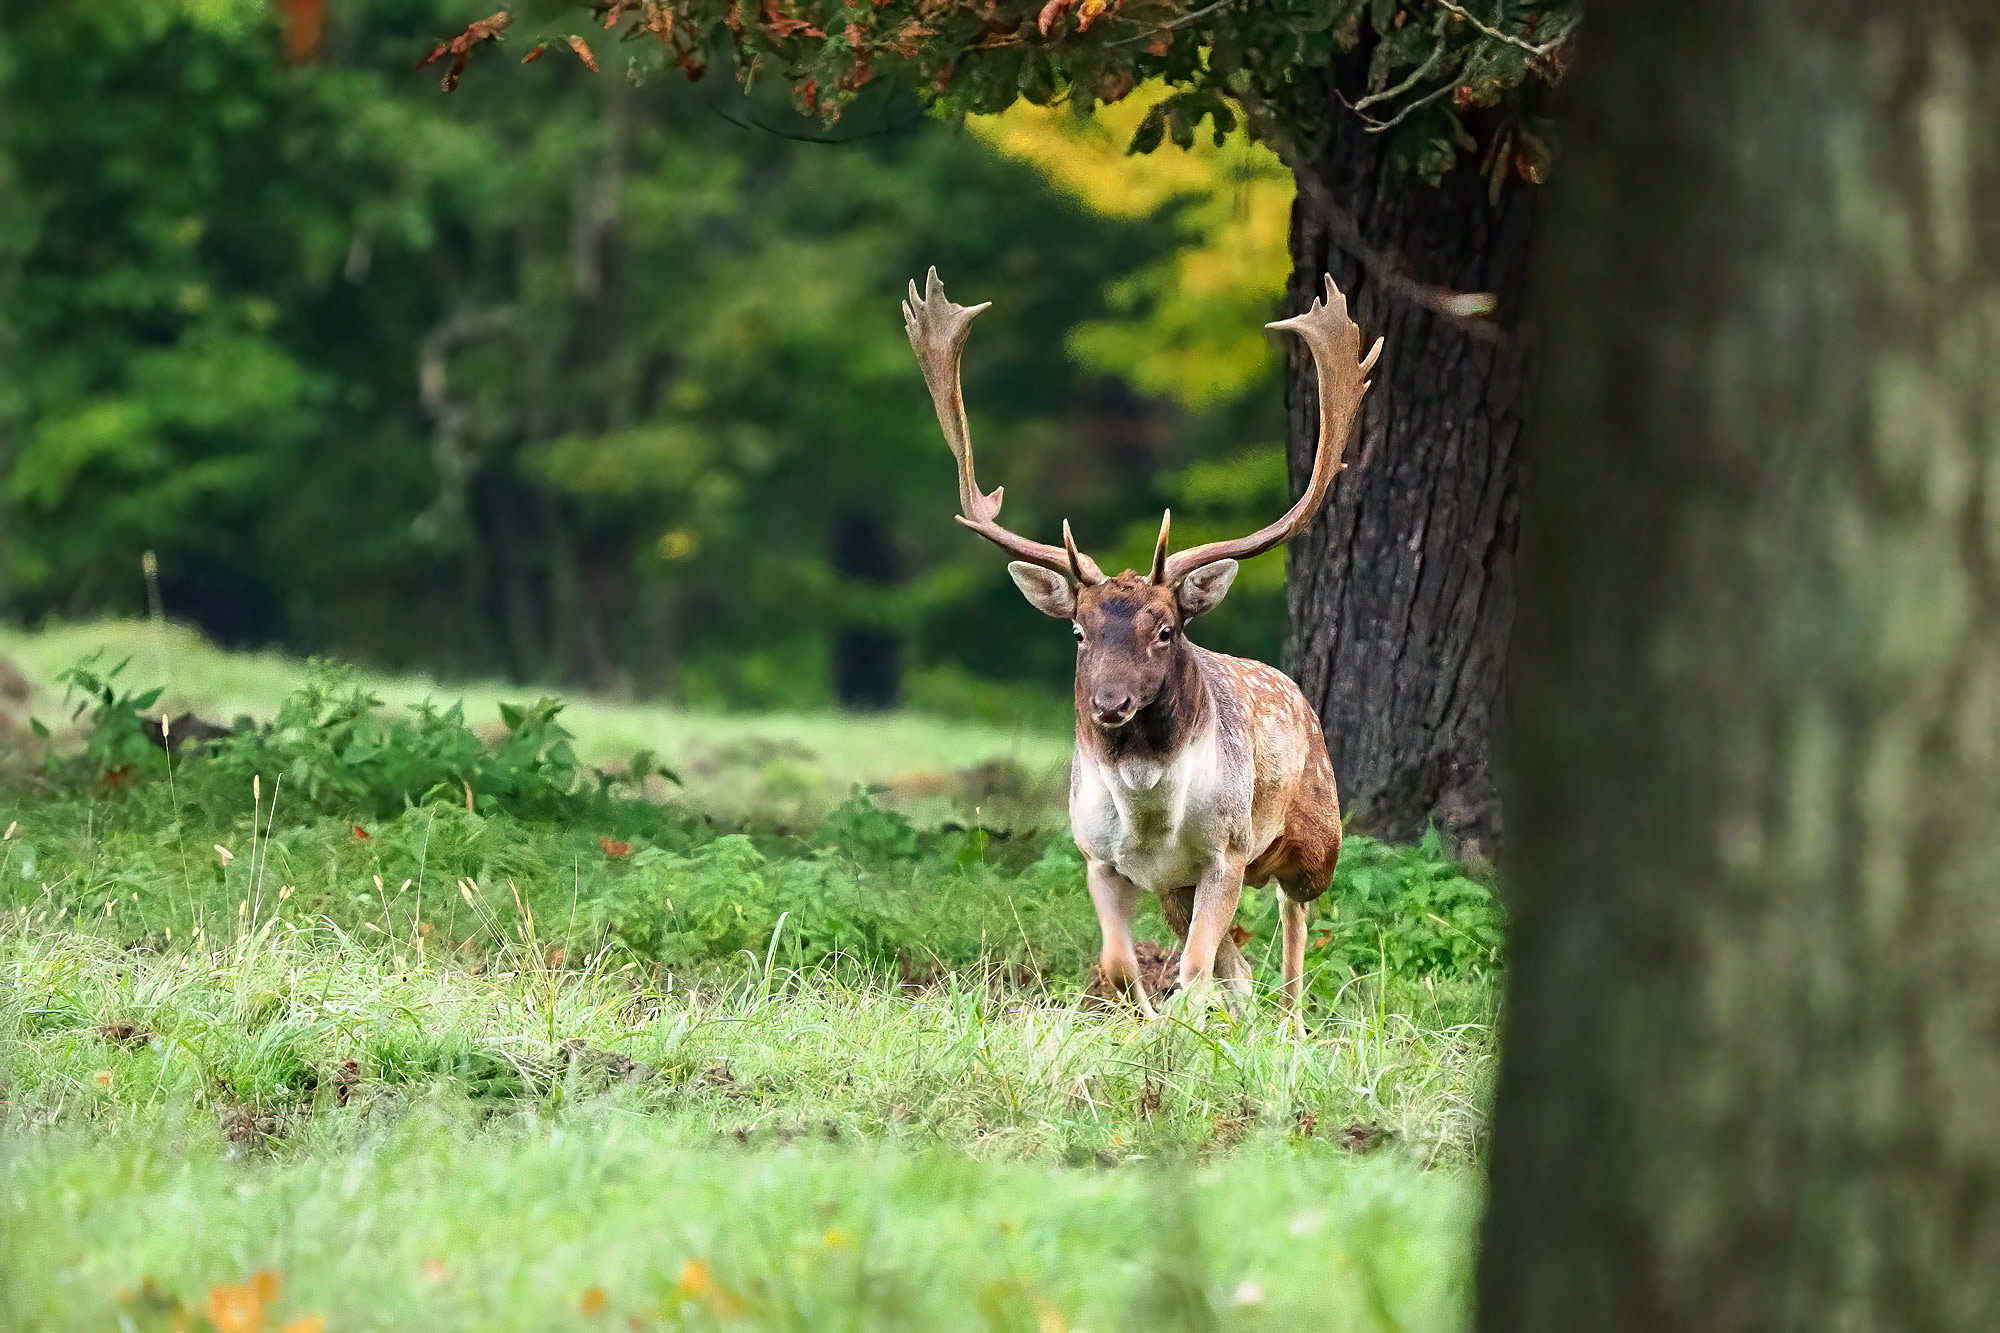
column 1194, row 772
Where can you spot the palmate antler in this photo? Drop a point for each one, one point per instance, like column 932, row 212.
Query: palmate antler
column 1335, row 343
column 937, row 327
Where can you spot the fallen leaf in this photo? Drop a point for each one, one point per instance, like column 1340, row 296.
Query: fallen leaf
column 696, row 1281
column 593, row 1301
column 361, row 833
column 613, row 848
column 240, row 1309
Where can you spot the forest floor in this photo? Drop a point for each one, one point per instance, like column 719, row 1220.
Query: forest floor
column 344, row 1064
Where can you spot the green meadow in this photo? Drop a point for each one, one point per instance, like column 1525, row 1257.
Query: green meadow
column 397, row 1009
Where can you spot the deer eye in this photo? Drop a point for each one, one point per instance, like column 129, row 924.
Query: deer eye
column 1078, row 631
column 1166, row 634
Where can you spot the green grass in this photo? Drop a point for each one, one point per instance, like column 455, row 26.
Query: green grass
column 434, row 1225
column 301, row 1102
column 436, row 1068
column 783, row 766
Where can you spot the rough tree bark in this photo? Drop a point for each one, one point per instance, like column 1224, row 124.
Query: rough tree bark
column 1751, row 1069
column 1402, row 593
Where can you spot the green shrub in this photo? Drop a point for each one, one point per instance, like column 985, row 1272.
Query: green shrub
column 1411, row 910
column 372, row 831
column 117, row 744
column 335, row 754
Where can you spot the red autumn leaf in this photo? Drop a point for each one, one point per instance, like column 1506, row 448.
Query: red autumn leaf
column 904, row 41
column 854, row 35
column 1323, row 941
column 784, row 25
column 582, row 49
column 1052, row 14
column 809, row 94
column 1240, row 935
column 535, row 54
column 460, row 47
column 361, row 833
column 614, row 848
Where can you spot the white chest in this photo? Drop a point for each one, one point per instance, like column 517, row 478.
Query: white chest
column 1156, row 823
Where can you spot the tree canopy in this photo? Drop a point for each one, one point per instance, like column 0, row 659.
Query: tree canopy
column 595, row 381
column 1432, row 64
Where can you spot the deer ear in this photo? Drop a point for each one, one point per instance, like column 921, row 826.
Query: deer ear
column 1046, row 591
column 1204, row 588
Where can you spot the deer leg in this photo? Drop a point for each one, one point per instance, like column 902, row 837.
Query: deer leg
column 1117, row 901
column 1177, row 905
column 1215, row 900
column 1292, row 912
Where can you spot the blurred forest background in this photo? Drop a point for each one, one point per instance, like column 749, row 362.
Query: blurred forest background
column 601, row 384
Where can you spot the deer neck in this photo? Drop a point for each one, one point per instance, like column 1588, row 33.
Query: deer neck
column 1159, row 731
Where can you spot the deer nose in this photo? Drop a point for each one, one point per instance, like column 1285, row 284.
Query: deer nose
column 1111, row 710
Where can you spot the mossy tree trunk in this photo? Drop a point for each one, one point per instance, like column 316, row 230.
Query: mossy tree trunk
column 1751, row 1068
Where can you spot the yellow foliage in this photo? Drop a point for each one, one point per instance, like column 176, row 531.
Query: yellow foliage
column 1191, row 328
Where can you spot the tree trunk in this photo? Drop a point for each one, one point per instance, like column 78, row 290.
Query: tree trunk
column 1751, row 1071
column 1402, row 593
column 867, row 658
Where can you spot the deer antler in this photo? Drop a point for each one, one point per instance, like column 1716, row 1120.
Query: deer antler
column 1335, row 342
column 937, row 327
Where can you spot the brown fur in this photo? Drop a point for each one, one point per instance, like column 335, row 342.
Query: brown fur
column 1170, row 694
column 1188, row 763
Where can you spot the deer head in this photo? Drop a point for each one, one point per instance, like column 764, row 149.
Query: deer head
column 1129, row 629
